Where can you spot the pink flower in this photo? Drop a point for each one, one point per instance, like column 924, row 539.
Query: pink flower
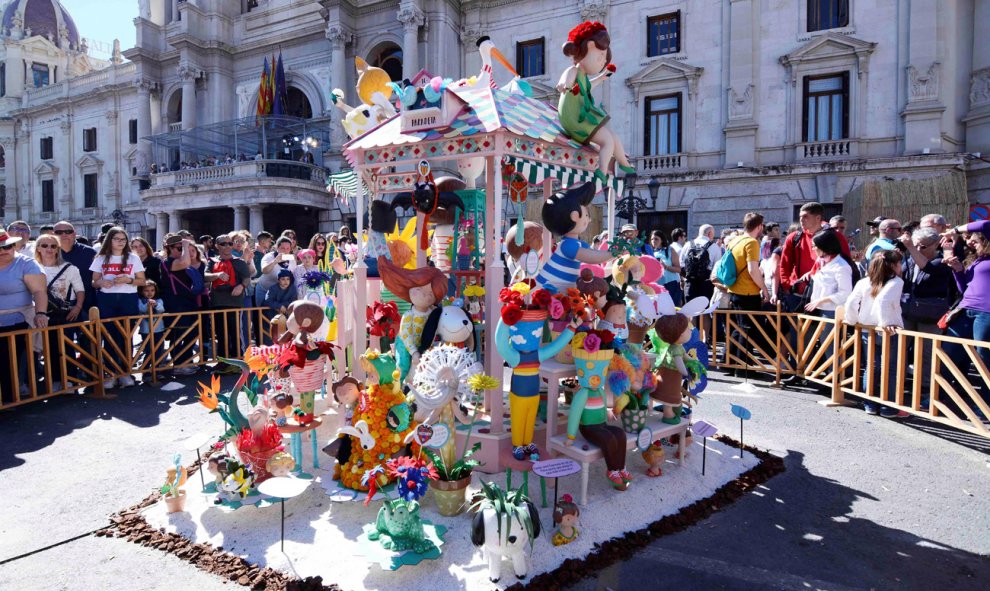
column 591, row 343
column 556, row 309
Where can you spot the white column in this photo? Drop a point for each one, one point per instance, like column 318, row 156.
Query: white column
column 494, row 282
column 64, row 188
column 256, row 219
column 412, row 18
column 161, row 219
column 240, row 217
column 338, row 42
column 188, row 76
column 174, row 221
column 360, row 281
column 143, row 125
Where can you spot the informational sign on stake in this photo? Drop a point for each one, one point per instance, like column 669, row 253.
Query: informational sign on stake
column 706, row 430
column 744, row 415
column 556, row 469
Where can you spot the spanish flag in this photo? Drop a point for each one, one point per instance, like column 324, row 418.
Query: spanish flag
column 265, row 92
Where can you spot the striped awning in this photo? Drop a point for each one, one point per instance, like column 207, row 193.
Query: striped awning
column 344, row 184
column 537, row 172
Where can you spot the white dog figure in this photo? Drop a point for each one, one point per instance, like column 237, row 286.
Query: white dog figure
column 513, row 542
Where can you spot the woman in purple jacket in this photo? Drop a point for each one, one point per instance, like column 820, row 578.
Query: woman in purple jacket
column 973, row 279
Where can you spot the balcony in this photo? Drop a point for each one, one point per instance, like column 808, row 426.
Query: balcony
column 843, row 149
column 660, row 164
column 240, row 171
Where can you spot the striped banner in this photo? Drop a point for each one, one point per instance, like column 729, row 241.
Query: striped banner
column 537, row 172
column 344, row 184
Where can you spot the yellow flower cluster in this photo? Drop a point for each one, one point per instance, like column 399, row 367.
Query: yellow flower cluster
column 481, row 382
column 578, row 341
column 387, row 442
column 473, row 291
column 522, row 288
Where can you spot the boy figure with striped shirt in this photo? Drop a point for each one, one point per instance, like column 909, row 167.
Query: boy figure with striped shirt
column 566, row 215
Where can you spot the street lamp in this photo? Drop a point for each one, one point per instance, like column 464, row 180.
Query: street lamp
column 654, row 187
column 627, row 207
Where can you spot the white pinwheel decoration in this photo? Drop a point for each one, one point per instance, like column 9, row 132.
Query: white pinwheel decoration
column 442, row 377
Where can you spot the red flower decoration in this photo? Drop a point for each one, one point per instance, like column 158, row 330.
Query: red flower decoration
column 511, row 314
column 541, row 298
column 610, row 68
column 508, row 296
column 584, row 31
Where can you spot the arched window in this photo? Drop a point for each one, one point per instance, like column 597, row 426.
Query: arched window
column 297, row 104
column 388, row 57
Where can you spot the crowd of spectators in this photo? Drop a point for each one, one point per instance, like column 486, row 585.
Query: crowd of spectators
column 925, row 276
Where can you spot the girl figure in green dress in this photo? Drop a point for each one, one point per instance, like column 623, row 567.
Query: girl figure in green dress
column 583, row 119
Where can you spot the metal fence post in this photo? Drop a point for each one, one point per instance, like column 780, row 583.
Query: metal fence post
column 98, row 329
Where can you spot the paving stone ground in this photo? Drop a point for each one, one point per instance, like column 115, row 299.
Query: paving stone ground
column 866, row 503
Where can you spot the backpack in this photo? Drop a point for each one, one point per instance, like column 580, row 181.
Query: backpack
column 725, row 269
column 695, row 264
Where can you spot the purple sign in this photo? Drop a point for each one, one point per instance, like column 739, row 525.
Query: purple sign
column 704, row 429
column 556, row 468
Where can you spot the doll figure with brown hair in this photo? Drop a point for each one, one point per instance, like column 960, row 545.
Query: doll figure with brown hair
column 674, row 328
column 584, row 120
column 565, row 515
column 424, row 288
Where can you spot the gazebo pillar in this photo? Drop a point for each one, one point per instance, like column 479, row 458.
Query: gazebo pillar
column 494, row 282
column 360, row 281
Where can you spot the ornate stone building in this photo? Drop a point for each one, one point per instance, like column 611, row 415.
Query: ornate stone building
column 724, row 106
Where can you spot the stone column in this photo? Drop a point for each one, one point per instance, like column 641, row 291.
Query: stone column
column 64, row 188
column 338, row 37
column 740, row 128
column 471, row 59
column 143, row 160
column 978, row 117
column 189, row 76
column 161, row 227
column 256, row 220
column 174, row 221
column 412, row 18
column 240, row 217
column 923, row 112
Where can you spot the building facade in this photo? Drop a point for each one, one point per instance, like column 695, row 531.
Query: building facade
column 723, row 105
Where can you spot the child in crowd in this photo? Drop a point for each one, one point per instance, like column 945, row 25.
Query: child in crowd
column 280, row 295
column 307, row 263
column 149, row 299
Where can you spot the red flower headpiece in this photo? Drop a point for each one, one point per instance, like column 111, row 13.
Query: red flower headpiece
column 584, row 31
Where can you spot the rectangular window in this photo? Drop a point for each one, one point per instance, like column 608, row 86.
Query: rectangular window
column 40, row 74
column 47, row 149
column 48, row 195
column 663, row 34
column 663, row 125
column 826, row 107
column 529, row 58
column 3, row 79
column 89, row 139
column 827, row 14
column 90, row 189
column 132, row 132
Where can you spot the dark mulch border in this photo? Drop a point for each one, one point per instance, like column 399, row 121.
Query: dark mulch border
column 130, row 524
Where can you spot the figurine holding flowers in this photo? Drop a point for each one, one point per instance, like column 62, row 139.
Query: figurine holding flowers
column 584, row 120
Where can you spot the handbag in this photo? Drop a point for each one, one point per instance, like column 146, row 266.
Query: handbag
column 923, row 309
column 57, row 306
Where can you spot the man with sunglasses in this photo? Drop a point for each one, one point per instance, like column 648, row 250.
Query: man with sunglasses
column 22, row 230
column 230, row 277
column 79, row 255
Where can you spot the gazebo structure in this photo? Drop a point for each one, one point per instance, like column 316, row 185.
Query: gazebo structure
column 472, row 122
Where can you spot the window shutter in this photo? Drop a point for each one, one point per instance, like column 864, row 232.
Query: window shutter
column 804, row 110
